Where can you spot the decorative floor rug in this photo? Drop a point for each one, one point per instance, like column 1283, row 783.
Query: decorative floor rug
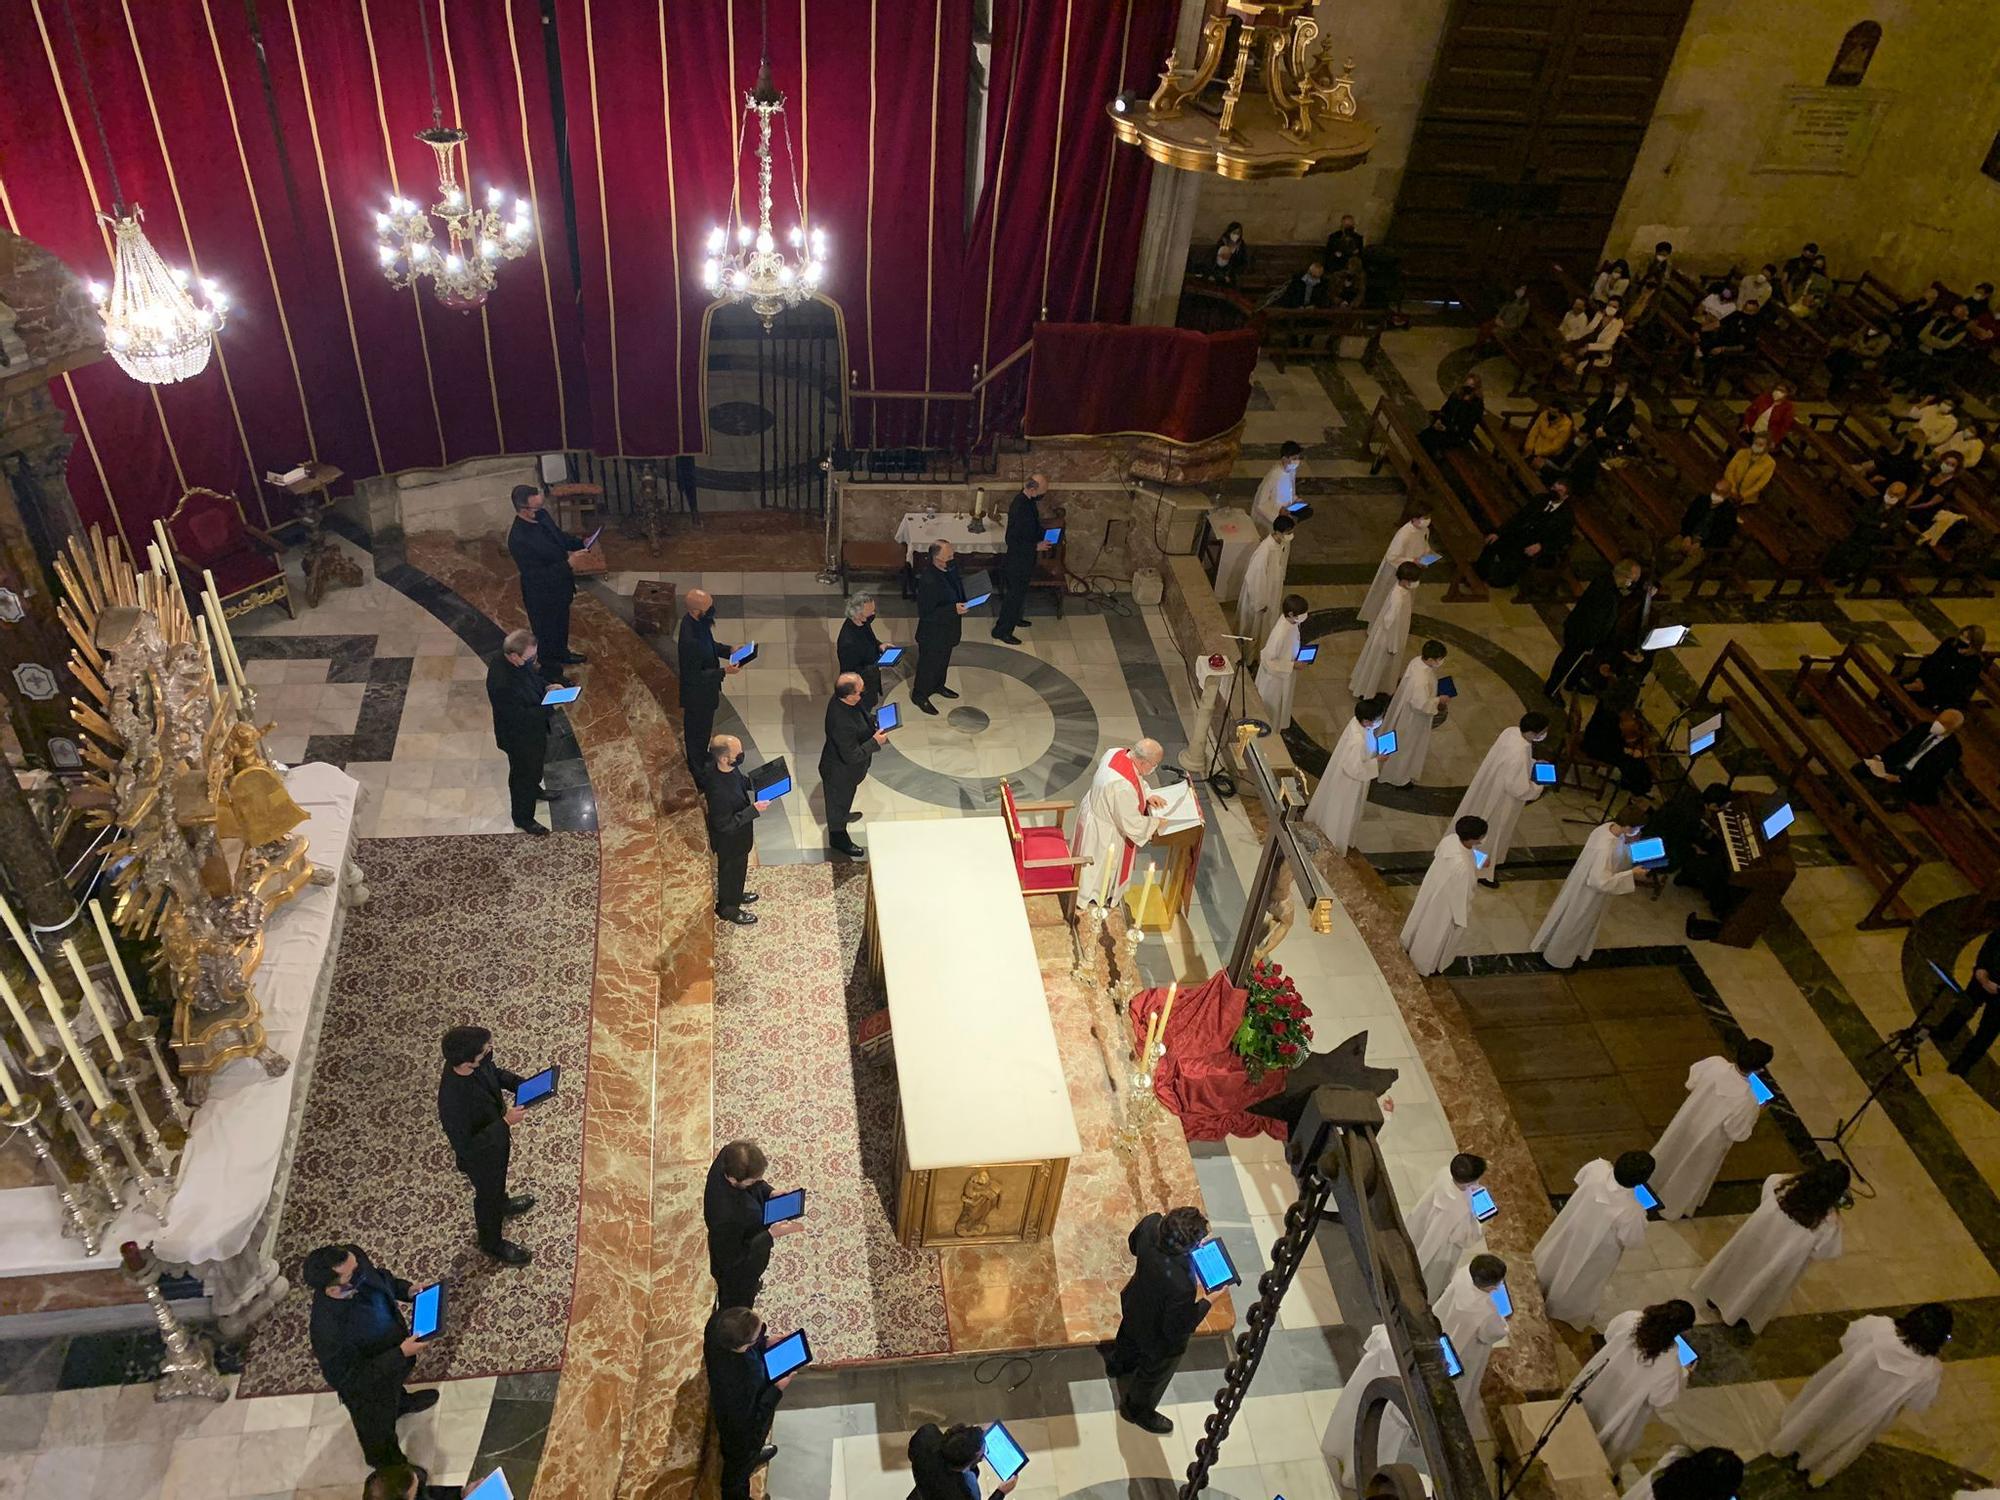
column 490, row 930
column 790, row 998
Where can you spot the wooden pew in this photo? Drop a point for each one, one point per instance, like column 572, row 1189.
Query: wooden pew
column 1460, row 537
column 1603, row 523
column 1986, row 689
column 1317, row 332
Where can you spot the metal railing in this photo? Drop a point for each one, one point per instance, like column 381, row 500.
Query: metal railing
column 931, row 436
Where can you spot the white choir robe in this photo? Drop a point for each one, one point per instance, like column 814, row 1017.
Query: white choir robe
column 1335, row 809
column 1474, row 1326
column 1719, row 1112
column 1603, row 870
column 1503, row 785
column 1275, row 672
column 1442, row 1228
column 1436, row 924
column 1642, row 1487
column 1622, row 1400
column 1263, row 587
column 1576, row 1255
column 1392, row 1438
column 1387, row 636
column 1411, row 543
column 1276, row 490
column 1110, row 825
column 1410, row 713
column 1752, row 1276
column 1855, row 1396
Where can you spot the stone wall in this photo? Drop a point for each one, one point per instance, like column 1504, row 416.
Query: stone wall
column 468, row 499
column 53, row 315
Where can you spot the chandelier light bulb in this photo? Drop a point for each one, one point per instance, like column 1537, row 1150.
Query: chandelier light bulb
column 99, row 292
column 744, row 235
column 740, row 280
column 387, row 254
column 764, row 242
column 786, row 276
column 454, row 197
column 490, row 249
column 494, row 197
column 420, row 251
column 382, row 223
column 521, row 208
column 813, row 272
column 717, row 241
column 453, row 264
column 796, row 237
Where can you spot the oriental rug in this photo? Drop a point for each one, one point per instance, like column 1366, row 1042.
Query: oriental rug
column 489, row 930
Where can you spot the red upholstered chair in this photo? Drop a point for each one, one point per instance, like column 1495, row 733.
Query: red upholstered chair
column 210, row 533
column 1041, row 852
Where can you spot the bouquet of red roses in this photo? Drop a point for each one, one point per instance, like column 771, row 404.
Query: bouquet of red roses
column 1276, row 1030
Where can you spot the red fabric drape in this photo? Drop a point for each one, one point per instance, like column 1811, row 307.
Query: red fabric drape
column 1085, row 378
column 1200, row 1080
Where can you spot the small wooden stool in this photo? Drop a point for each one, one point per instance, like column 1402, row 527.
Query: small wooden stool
column 577, row 506
column 653, row 606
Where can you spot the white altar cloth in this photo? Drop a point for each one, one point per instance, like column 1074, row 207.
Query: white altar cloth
column 236, row 1144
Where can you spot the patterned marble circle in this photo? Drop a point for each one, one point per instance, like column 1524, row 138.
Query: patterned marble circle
column 1040, row 710
column 740, row 418
column 968, row 720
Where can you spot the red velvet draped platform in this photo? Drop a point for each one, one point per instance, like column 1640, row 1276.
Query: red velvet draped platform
column 1096, row 379
column 1200, row 1080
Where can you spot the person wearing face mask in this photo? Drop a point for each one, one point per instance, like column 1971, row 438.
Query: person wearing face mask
column 1306, row 289
column 1946, row 678
column 1277, row 490
column 541, row 551
column 733, row 809
column 858, row 651
column 1708, row 525
column 1263, row 584
column 363, row 1345
column 1911, row 769
column 1239, row 248
column 1388, row 634
column 1603, row 870
column 1441, row 1224
column 1412, row 715
column 1345, row 243
column 1454, row 423
column 1934, row 419
column 1541, row 529
column 1276, row 675
column 941, row 611
column 851, row 742
column 520, row 724
column 1342, row 793
column 1411, row 543
column 1504, row 784
column 1848, row 558
column 1439, row 916
column 1594, row 622
column 1853, row 352
column 1549, row 435
column 1748, row 471
column 1771, row 414
column 703, row 664
column 479, row 1123
column 1931, row 511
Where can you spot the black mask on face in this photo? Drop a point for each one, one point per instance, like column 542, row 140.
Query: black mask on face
column 708, row 615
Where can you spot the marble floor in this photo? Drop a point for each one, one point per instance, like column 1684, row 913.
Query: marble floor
column 385, row 678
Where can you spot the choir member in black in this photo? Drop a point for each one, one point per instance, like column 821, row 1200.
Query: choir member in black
column 1017, row 569
column 742, row 1401
column 1306, row 289
column 1696, row 852
column 479, row 1123
column 944, row 1461
column 732, row 1205
column 1616, row 737
column 851, row 742
column 1982, row 995
column 703, row 663
column 733, row 809
column 940, row 608
column 520, row 724
column 1601, row 618
column 541, row 550
column 1160, row 1308
column 363, row 1344
column 407, row 1482
column 1912, row 769
column 1454, row 423
column 1539, row 530
column 1946, row 678
column 1344, row 244
column 857, row 649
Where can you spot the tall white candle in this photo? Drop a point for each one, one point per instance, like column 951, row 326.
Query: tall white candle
column 117, row 963
column 28, row 1032
column 93, row 1085
column 28, row 949
column 7, row 1086
column 94, row 1000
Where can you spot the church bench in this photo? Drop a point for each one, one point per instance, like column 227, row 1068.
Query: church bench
column 1317, row 332
column 1461, row 538
column 1609, row 533
column 1985, row 690
column 1827, row 510
column 1531, row 349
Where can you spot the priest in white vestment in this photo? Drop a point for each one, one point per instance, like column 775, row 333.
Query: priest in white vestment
column 1603, row 870
column 1441, row 1224
column 1335, row 809
column 1711, row 1471
column 1277, row 490
column 1412, row 714
column 1264, row 582
column 1388, row 634
column 1436, row 925
column 1719, row 1111
column 1504, row 784
column 1884, row 1368
column 1797, row 1221
column 1411, row 543
column 1469, row 1318
column 1118, row 814
column 1393, row 1437
column 1576, row 1255
column 1636, row 1374
column 1278, row 662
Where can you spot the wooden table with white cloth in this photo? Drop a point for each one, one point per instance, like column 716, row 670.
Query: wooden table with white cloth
column 918, row 529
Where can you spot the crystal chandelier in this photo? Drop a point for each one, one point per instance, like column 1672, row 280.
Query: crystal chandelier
column 744, row 263
column 465, row 269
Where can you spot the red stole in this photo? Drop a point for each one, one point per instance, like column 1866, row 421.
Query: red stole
column 1121, row 762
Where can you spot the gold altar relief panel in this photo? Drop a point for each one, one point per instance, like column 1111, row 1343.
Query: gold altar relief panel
column 999, row 1203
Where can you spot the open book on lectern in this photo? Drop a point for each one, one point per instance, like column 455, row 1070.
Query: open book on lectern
column 1182, row 811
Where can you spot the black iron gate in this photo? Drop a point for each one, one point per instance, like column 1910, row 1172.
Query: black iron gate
column 773, row 403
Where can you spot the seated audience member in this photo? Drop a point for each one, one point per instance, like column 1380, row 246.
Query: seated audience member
column 1453, row 424
column 1349, row 286
column 1596, row 351
column 1948, row 676
column 1647, row 283
column 1218, row 266
column 1708, row 526
column 1933, row 417
column 1307, row 289
column 1798, row 267
column 1853, row 352
column 1549, row 435
column 1748, row 471
column 1980, row 302
column 1577, row 323
column 1932, row 355
column 1900, row 461
column 1717, row 308
column 1239, row 248
column 1911, row 316
column 1344, row 244
column 1733, row 335
column 1968, row 442
column 1934, row 494
column 1540, row 530
column 1771, row 413
column 1612, row 280
column 1757, row 286
column 1878, row 520
column 1911, row 769
column 1616, row 737
column 1805, row 295
column 1607, row 421
column 1509, row 318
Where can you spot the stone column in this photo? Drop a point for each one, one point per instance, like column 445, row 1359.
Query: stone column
column 1171, row 200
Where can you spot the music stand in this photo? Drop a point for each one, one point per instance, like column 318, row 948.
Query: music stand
column 1903, row 1047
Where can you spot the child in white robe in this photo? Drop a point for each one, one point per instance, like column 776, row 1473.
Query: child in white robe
column 1437, row 921
column 1797, row 1221
column 1392, row 1440
column 1278, row 661
column 1411, row 543
column 1412, row 713
column 1576, row 1255
column 1441, row 1224
column 1264, row 581
column 1388, row 634
column 1603, row 870
column 1472, row 1321
column 1635, row 1374
column 1335, row 809
column 1503, row 785
column 1719, row 1111
column 1277, row 490
column 1883, row 1369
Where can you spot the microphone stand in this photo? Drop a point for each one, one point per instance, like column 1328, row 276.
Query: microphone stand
column 1903, row 1049
column 1218, row 779
column 1574, row 1395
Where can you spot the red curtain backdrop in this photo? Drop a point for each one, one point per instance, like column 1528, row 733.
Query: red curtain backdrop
column 323, row 359
column 1080, row 381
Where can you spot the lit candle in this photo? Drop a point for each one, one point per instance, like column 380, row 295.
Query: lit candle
column 94, row 1000
column 28, row 1032
column 27, row 948
column 1167, row 1010
column 85, row 1069
column 1152, row 1035
column 117, row 963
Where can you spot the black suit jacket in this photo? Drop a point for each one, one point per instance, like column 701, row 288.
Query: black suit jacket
column 1615, row 417
column 938, row 590
column 738, row 1242
column 1506, row 558
column 358, row 1340
column 520, row 723
column 1297, row 293
column 473, row 1112
column 742, row 1400
column 1594, row 617
column 1949, row 674
column 1024, row 535
column 858, row 651
column 1341, row 247
column 541, row 550
column 1710, row 521
column 850, row 742
column 1158, row 1303
column 1922, row 782
column 700, row 657
column 732, row 809
column 935, row 1479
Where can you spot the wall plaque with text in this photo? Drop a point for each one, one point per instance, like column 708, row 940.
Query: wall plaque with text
column 1824, row 130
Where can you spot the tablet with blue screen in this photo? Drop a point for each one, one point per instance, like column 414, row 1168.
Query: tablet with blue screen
column 1052, row 536
column 1944, row 978
column 1002, row 1453
column 1761, row 1090
column 1649, row 852
column 1428, row 558
column 790, row 1353
column 1479, row 858
column 537, row 1087
column 1213, row 1267
column 890, row 656
column 782, row 1206
column 1700, row 743
column 1453, row 1365
column 1294, row 507
column 427, row 1311
column 493, row 1487
column 1483, row 1206
column 978, row 599
column 557, row 695
column 888, row 716
column 1778, row 820
column 1648, row 1200
column 745, row 654
column 1307, row 655
column 1545, row 773
column 1447, row 688
column 1385, row 742
column 1684, row 1351
column 1503, row 1301
column 771, row 780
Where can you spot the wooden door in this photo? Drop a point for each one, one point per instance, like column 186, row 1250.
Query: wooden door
column 1529, row 128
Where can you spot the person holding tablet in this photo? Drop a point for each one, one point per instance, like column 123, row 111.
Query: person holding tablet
column 1719, row 1111
column 1411, row 543
column 1438, row 917
column 1797, row 1221
column 733, row 809
column 857, row 650
column 364, row 1346
column 520, row 724
column 1442, row 1225
column 1277, row 490
column 732, row 1208
column 479, row 1123
column 1160, row 1308
column 1263, row 588
column 1603, row 1219
column 1603, row 870
column 1342, row 794
column 1504, row 784
column 851, row 742
column 702, row 663
column 1421, row 696
column 1471, row 1318
column 1388, row 634
column 940, row 623
column 1024, row 545
column 1637, row 1373
column 945, row 1463
column 541, row 550
column 1278, row 660
column 740, row 1398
